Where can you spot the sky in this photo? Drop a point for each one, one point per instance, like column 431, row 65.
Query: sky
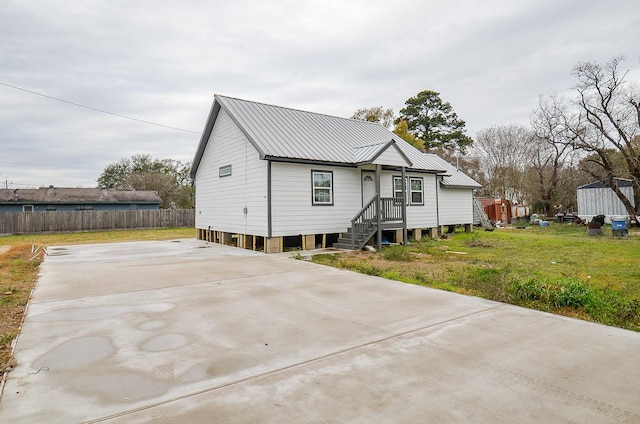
column 161, row 62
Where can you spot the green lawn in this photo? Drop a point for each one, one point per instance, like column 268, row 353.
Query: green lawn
column 559, row 269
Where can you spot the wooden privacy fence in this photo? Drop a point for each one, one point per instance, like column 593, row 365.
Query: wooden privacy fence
column 59, row 222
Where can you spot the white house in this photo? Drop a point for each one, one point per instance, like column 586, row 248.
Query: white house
column 271, row 177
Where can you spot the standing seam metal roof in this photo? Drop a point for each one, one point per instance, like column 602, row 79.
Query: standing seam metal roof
column 455, row 177
column 294, row 134
column 622, row 182
column 289, row 134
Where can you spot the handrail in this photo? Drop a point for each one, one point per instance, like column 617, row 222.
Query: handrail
column 363, row 219
column 392, row 209
column 366, row 219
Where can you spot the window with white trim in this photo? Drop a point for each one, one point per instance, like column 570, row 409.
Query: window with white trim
column 415, row 190
column 322, row 188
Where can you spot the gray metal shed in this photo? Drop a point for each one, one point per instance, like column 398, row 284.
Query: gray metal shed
column 599, row 199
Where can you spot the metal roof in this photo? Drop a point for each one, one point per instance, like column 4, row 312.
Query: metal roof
column 622, row 182
column 64, row 195
column 455, row 177
column 369, row 153
column 281, row 133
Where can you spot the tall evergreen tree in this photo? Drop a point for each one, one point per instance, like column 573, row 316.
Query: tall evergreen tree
column 435, row 122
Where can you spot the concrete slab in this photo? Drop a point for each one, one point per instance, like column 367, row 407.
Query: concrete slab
column 186, row 331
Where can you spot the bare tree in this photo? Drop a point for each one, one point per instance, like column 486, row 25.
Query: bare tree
column 469, row 163
column 507, row 153
column 375, row 114
column 554, row 145
column 608, row 122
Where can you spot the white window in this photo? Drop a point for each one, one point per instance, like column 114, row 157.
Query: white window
column 322, row 183
column 224, row 171
column 27, row 208
column 415, row 190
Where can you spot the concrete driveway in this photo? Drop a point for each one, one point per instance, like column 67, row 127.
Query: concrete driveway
column 188, row 332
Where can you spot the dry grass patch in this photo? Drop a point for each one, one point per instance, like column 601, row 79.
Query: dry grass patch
column 18, row 274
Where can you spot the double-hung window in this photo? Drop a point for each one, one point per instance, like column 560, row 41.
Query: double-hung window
column 322, row 188
column 397, row 187
column 415, row 190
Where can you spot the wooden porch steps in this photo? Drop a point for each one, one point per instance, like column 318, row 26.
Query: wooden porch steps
column 359, row 240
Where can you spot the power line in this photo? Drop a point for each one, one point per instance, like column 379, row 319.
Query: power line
column 96, row 109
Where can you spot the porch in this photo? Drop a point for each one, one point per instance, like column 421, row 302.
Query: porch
column 381, row 213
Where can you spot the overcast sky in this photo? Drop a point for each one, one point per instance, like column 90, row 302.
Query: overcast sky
column 162, row 61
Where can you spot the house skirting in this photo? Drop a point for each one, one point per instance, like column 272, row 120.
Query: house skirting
column 303, row 241
column 267, row 244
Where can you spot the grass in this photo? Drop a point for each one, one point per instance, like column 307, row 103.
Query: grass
column 19, row 266
column 558, row 269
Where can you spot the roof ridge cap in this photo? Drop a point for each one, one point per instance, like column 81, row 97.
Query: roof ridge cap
column 297, row 110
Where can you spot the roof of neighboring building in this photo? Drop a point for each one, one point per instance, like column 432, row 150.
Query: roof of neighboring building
column 622, row 182
column 489, row 201
column 280, row 133
column 55, row 195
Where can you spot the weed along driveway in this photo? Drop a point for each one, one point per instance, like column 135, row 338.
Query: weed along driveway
column 188, row 332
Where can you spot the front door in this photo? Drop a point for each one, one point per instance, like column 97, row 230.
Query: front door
column 368, row 186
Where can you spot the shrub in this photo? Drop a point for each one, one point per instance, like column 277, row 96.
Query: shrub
column 568, row 292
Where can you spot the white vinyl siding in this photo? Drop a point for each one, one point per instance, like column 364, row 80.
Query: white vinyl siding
column 391, row 156
column 293, row 212
column 418, row 216
column 456, row 206
column 221, row 201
